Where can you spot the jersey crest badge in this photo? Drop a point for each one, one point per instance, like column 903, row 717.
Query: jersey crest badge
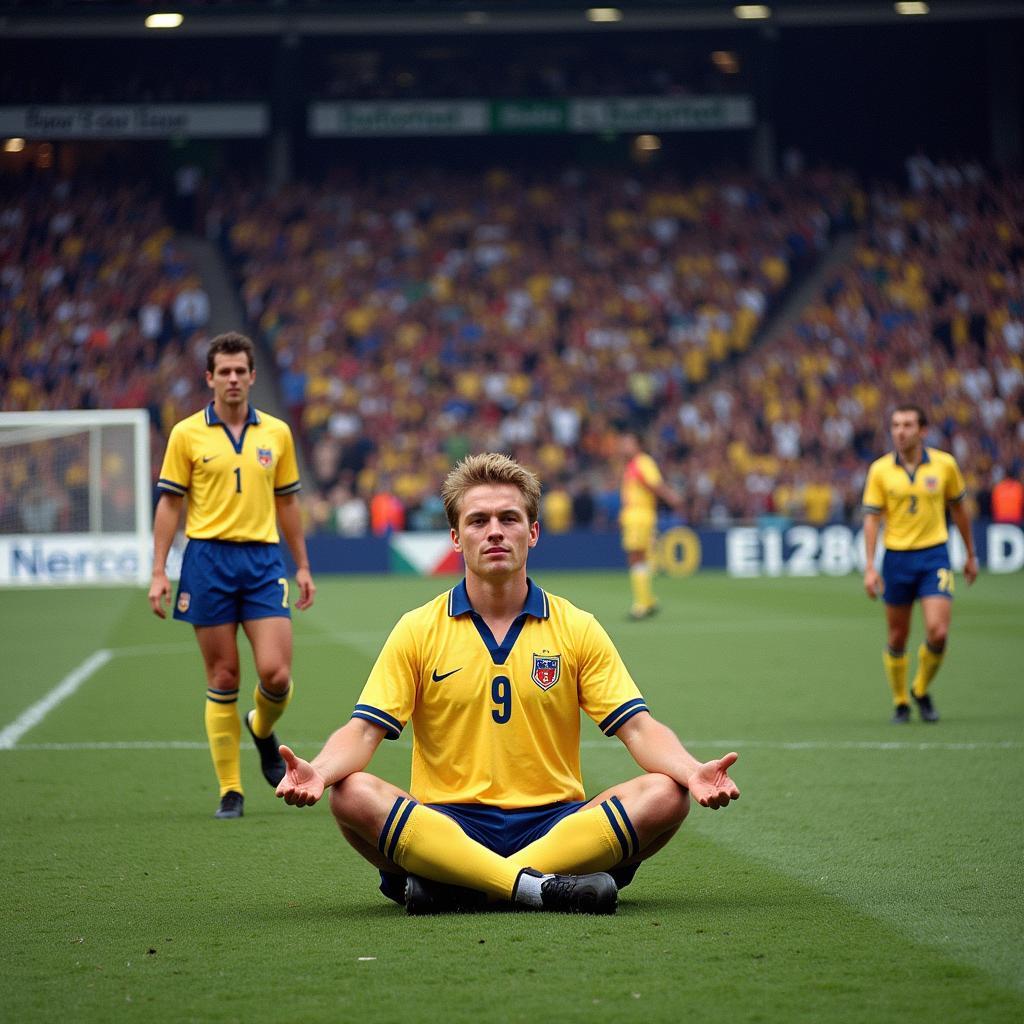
column 264, row 456
column 931, row 482
column 184, row 600
column 547, row 670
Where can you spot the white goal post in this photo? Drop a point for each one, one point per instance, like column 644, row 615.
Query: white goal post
column 75, row 497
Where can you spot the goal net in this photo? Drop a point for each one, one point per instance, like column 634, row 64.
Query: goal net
column 75, row 497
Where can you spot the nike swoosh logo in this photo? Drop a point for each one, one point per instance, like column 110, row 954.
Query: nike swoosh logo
column 208, row 458
column 438, row 678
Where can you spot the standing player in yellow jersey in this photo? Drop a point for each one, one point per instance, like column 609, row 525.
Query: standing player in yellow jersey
column 642, row 486
column 911, row 488
column 238, row 468
column 493, row 675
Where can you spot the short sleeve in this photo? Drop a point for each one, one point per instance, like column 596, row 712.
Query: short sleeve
column 176, row 471
column 607, row 692
column 874, row 493
column 286, row 478
column 649, row 471
column 389, row 696
column 956, row 487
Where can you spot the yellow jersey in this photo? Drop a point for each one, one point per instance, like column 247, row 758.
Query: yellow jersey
column 498, row 723
column 913, row 504
column 639, row 501
column 230, row 485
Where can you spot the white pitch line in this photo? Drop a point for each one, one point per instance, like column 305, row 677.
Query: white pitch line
column 605, row 744
column 857, row 744
column 32, row 716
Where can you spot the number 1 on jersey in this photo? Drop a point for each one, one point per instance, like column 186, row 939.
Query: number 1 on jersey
column 238, row 480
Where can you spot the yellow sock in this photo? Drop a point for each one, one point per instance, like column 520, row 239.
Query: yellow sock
column 896, row 671
column 428, row 843
column 591, row 840
column 222, row 731
column 269, row 708
column 928, row 663
column 640, row 582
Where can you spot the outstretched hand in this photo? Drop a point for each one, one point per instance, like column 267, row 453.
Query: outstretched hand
column 302, row 784
column 710, row 784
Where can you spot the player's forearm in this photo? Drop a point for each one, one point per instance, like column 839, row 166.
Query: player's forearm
column 165, row 525
column 963, row 524
column 289, row 519
column 656, row 748
column 668, row 495
column 871, row 529
column 347, row 750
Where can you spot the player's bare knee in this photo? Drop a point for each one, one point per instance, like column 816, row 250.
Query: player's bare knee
column 667, row 801
column 341, row 801
column 277, row 679
column 223, row 677
column 352, row 799
column 936, row 638
column 897, row 639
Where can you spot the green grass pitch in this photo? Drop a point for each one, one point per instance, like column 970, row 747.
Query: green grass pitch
column 869, row 872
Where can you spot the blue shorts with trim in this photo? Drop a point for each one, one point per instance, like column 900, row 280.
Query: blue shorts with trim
column 909, row 575
column 504, row 832
column 225, row 581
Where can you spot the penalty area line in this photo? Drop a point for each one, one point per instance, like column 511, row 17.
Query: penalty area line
column 605, row 745
column 33, row 715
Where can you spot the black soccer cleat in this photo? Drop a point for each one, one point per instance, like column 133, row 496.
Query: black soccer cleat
column 425, row 896
column 271, row 761
column 901, row 715
column 925, row 708
column 595, row 893
column 231, row 804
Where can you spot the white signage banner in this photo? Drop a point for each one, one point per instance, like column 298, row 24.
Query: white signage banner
column 752, row 551
column 136, row 121
column 39, row 560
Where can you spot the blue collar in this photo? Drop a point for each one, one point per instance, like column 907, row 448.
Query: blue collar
column 536, row 605
column 899, row 462
column 536, row 601
column 213, row 420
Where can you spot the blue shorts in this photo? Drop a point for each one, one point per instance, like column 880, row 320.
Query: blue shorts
column 225, row 581
column 504, row 832
column 909, row 575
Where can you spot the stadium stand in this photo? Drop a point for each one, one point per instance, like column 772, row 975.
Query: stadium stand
column 929, row 309
column 99, row 309
column 414, row 320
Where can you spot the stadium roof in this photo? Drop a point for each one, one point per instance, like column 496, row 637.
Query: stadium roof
column 43, row 18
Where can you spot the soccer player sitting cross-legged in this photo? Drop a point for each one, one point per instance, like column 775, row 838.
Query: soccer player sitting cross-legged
column 492, row 675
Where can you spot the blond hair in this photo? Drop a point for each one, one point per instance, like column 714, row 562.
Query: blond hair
column 489, row 468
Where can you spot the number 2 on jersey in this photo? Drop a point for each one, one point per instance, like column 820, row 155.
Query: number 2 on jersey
column 501, row 695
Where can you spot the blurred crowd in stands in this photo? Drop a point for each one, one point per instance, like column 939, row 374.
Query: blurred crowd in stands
column 424, row 315
column 928, row 309
column 99, row 309
column 416, row 318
